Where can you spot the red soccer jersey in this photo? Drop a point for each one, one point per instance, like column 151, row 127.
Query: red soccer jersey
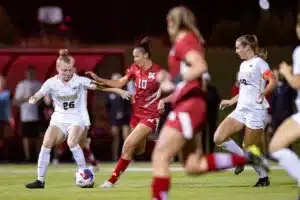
column 146, row 96
column 178, row 65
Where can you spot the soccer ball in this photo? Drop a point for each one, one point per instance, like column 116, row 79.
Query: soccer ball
column 84, row 178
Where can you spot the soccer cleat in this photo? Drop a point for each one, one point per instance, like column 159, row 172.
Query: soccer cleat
column 107, row 184
column 239, row 169
column 262, row 182
column 36, row 185
column 255, row 157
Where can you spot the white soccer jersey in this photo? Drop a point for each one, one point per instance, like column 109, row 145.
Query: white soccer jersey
column 69, row 98
column 296, row 71
column 252, row 83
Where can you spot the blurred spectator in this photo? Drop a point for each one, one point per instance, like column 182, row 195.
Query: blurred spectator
column 5, row 114
column 281, row 101
column 28, row 112
column 119, row 116
column 213, row 101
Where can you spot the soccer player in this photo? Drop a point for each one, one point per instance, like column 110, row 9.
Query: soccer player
column 251, row 110
column 186, row 66
column 67, row 91
column 289, row 131
column 145, row 112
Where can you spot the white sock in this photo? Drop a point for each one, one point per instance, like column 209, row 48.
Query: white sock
column 43, row 162
column 78, row 156
column 261, row 171
column 232, row 147
column 289, row 161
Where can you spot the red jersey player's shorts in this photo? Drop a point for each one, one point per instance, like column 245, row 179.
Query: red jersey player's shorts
column 151, row 123
column 188, row 116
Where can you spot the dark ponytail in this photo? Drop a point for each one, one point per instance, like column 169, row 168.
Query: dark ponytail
column 145, row 46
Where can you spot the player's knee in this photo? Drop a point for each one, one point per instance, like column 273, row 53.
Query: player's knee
column 72, row 143
column 218, row 140
column 273, row 147
column 48, row 143
column 159, row 155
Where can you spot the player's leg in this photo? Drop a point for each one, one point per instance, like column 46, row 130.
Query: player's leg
column 152, row 123
column 53, row 136
column 169, row 143
column 75, row 132
column 285, row 135
column 256, row 121
column 254, row 137
column 85, row 143
column 230, row 125
column 115, row 132
column 139, row 134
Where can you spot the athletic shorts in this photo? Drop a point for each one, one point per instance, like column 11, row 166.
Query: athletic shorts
column 151, row 123
column 188, row 116
column 251, row 118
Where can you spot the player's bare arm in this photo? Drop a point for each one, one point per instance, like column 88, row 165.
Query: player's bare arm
column 111, row 83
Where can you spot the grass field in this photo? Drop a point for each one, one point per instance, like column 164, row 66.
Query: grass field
column 135, row 184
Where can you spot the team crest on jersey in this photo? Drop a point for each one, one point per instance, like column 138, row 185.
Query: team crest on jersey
column 151, row 75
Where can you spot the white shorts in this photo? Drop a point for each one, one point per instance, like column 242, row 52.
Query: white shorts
column 296, row 117
column 86, row 118
column 65, row 127
column 254, row 119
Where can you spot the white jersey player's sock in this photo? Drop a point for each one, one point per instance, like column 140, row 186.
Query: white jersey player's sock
column 232, row 147
column 289, row 161
column 43, row 162
column 261, row 171
column 78, row 156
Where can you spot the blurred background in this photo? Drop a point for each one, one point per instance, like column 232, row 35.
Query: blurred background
column 101, row 36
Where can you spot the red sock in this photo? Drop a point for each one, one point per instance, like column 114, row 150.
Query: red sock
column 89, row 156
column 119, row 169
column 219, row 161
column 160, row 188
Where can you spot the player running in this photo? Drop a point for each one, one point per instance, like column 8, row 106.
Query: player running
column 186, row 65
column 67, row 91
column 145, row 112
column 289, row 131
column 251, row 109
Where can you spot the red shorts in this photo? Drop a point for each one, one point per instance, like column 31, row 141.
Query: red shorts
column 151, row 123
column 188, row 116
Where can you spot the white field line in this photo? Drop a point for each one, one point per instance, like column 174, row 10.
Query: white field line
column 130, row 169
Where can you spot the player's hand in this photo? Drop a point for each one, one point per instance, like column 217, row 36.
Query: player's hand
column 161, row 106
column 260, row 99
column 92, row 74
column 224, row 104
column 124, row 94
column 284, row 68
column 162, row 75
column 167, row 86
column 32, row 100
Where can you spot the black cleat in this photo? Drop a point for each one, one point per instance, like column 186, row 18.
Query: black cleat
column 262, row 182
column 298, row 197
column 239, row 169
column 36, row 185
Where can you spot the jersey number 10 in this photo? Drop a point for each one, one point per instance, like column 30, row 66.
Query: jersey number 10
column 68, row 105
column 142, row 84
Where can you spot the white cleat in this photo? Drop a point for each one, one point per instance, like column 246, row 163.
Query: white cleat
column 55, row 162
column 107, row 184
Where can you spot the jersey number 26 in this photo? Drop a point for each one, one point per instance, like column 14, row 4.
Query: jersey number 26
column 68, row 105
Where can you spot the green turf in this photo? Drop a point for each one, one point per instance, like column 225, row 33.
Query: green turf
column 136, row 185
